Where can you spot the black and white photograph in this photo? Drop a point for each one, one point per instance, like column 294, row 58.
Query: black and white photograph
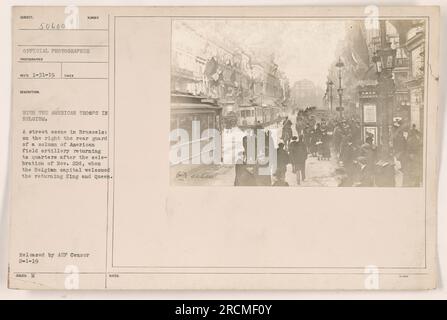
column 143, row 142
column 297, row 102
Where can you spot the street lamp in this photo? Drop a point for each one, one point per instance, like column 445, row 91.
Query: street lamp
column 340, row 65
column 329, row 85
column 384, row 61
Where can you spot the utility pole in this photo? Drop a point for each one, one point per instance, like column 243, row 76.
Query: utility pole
column 386, row 88
column 330, row 84
column 340, row 65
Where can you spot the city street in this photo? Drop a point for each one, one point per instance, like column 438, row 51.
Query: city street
column 318, row 172
column 360, row 92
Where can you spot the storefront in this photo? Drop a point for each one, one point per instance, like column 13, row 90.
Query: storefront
column 369, row 113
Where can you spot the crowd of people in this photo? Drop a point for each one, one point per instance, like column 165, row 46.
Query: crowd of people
column 363, row 163
column 312, row 138
column 360, row 162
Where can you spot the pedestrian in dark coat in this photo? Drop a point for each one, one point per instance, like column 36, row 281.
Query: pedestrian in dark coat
column 298, row 157
column 348, row 156
column 369, row 151
column 325, row 147
column 282, row 160
column 280, row 183
column 243, row 176
column 293, row 152
column 366, row 179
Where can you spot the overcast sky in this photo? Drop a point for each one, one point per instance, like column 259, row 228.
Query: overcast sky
column 303, row 49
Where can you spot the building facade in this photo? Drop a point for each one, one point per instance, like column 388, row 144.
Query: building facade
column 219, row 69
column 415, row 45
column 304, row 94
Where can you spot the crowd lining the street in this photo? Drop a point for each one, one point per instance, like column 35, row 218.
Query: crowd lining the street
column 358, row 162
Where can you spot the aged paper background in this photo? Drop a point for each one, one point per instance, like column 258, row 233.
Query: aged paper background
column 248, row 243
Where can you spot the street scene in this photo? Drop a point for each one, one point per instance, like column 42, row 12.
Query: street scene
column 324, row 103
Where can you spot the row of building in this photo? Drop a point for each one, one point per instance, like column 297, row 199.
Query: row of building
column 205, row 63
column 304, row 93
column 361, row 83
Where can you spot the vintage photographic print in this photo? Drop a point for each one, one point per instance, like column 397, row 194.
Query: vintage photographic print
column 145, row 142
column 297, row 102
